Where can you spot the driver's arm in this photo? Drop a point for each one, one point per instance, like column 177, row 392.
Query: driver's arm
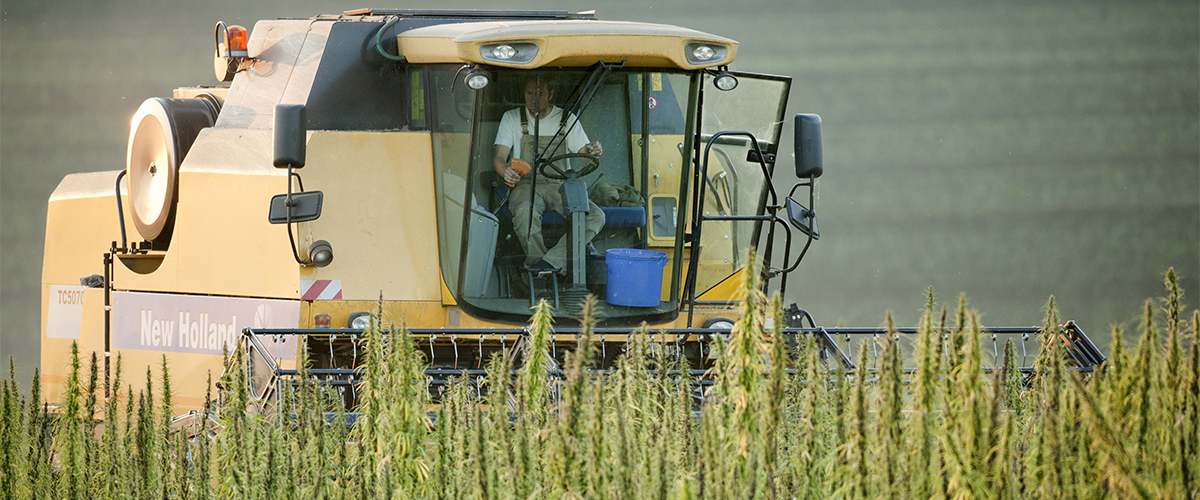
column 578, row 138
column 500, row 164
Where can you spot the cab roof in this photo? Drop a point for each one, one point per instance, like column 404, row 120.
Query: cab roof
column 563, row 42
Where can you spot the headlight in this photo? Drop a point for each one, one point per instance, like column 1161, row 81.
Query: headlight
column 359, row 321
column 704, row 53
column 509, row 52
column 504, row 52
column 725, row 81
column 320, row 253
column 719, row 323
column 477, row 79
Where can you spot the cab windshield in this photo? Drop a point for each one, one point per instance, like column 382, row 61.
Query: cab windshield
column 560, row 183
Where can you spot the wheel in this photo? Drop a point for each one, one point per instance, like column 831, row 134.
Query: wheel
column 556, row 173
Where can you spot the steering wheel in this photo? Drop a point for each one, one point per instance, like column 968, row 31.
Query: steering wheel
column 556, row 173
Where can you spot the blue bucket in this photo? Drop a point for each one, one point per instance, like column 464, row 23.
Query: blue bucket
column 634, row 277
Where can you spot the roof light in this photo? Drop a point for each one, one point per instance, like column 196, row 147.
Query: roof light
column 725, row 81
column 704, row 53
column 509, row 52
column 477, row 79
column 505, row 52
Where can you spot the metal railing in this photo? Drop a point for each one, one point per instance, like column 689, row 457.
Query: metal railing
column 840, row 348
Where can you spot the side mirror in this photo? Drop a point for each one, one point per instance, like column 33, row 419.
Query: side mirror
column 291, row 123
column 808, row 146
column 804, row 219
column 305, row 206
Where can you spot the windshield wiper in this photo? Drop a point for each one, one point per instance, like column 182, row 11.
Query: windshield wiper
column 584, row 99
column 595, row 78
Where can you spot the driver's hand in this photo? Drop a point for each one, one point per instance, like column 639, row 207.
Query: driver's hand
column 511, row 177
column 593, row 148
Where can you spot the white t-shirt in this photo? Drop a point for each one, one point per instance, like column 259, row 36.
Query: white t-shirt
column 509, row 133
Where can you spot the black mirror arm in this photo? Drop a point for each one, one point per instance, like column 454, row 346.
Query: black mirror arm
column 299, row 181
column 291, row 123
column 287, row 202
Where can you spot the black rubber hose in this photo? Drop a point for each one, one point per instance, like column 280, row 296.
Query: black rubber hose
column 120, row 211
column 379, row 35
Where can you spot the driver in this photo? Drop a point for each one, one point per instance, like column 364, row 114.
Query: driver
column 516, row 137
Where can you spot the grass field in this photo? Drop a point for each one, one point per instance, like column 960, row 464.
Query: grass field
column 1007, row 150
column 774, row 423
column 1011, row 151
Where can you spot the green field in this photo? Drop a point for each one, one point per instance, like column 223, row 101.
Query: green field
column 770, row 422
column 1007, row 150
column 1011, row 152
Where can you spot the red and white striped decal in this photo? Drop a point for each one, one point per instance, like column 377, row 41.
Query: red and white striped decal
column 321, row 290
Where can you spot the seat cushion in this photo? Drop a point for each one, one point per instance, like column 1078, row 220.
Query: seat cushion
column 613, row 217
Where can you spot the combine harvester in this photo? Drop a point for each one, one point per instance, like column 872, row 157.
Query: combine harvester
column 393, row 139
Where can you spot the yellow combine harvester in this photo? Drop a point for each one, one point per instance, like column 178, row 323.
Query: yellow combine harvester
column 461, row 166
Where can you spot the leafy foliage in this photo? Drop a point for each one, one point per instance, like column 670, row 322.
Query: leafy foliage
column 776, row 422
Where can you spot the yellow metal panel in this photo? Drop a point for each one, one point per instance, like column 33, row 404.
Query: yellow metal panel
column 562, row 43
column 412, row 314
column 234, row 151
column 81, row 224
column 191, row 92
column 216, row 226
column 56, row 352
column 666, row 164
column 188, row 373
column 304, row 66
column 222, row 242
column 447, row 297
column 664, row 169
column 378, row 214
column 731, row 288
column 418, row 48
column 285, row 55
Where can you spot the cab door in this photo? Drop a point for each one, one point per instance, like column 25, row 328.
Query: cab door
column 731, row 177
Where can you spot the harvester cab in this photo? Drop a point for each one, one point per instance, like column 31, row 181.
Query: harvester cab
column 463, row 166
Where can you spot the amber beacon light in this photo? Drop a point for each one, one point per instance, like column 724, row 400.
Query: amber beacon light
column 231, row 50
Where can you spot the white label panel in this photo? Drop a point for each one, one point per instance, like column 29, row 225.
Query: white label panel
column 65, row 316
column 198, row 324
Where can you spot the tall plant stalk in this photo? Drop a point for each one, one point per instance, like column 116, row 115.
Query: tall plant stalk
column 774, row 422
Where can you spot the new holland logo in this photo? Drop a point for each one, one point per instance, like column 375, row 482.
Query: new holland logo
column 195, row 323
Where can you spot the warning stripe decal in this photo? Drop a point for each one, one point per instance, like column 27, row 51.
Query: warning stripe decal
column 321, row 290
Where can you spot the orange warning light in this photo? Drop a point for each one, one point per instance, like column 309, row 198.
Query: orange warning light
column 237, row 42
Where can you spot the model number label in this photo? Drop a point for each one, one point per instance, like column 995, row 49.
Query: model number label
column 65, row 314
column 70, row 297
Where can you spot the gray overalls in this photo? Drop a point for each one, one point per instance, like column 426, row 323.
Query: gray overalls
column 547, row 197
